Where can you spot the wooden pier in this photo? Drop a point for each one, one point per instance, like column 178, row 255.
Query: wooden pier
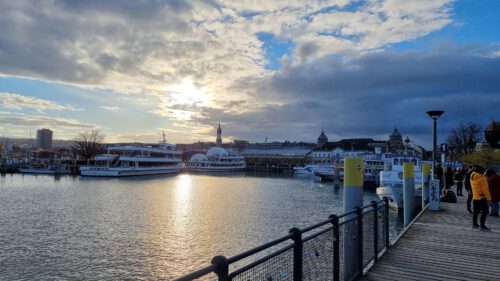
column 443, row 246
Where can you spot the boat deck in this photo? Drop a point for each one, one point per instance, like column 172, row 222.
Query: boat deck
column 443, row 246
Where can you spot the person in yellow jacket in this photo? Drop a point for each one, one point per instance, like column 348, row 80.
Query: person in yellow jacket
column 481, row 197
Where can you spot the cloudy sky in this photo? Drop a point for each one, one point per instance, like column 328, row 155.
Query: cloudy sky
column 264, row 69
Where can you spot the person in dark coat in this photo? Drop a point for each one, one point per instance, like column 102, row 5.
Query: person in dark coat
column 468, row 188
column 439, row 176
column 494, row 185
column 458, row 178
column 448, row 178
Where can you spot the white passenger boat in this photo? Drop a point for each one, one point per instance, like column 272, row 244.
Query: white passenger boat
column 332, row 171
column 137, row 160
column 216, row 159
column 391, row 181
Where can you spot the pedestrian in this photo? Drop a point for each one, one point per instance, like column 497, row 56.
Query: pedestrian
column 448, row 178
column 439, row 176
column 494, row 184
column 481, row 197
column 468, row 187
column 458, row 178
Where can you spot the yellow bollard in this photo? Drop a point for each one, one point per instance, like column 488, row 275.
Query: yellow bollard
column 408, row 192
column 353, row 198
column 426, row 177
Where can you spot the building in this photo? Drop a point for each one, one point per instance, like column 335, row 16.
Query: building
column 395, row 142
column 44, row 139
column 492, row 134
column 322, row 139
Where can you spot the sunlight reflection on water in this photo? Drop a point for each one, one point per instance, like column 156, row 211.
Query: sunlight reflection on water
column 149, row 227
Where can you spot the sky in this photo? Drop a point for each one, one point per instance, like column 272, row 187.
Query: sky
column 275, row 70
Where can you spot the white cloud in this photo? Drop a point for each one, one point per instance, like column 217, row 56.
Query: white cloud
column 20, row 102
column 110, row 108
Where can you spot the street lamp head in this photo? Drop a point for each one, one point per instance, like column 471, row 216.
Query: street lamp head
column 434, row 114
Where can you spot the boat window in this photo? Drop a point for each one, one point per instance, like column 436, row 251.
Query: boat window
column 396, row 161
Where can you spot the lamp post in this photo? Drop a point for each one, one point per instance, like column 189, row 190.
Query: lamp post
column 434, row 114
column 407, row 146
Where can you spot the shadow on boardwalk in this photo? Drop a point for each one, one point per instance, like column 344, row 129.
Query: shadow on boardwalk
column 443, row 246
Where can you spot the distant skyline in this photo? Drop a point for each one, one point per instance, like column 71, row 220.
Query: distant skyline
column 280, row 70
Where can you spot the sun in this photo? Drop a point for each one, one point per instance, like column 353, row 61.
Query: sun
column 187, row 93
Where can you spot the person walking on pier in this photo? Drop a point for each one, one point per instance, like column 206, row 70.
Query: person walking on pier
column 448, row 178
column 494, row 184
column 458, row 178
column 468, row 188
column 481, row 197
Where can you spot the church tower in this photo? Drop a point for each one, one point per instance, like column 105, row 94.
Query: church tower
column 322, row 139
column 396, row 141
column 218, row 141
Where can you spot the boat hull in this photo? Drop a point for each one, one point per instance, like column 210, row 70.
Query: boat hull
column 43, row 171
column 125, row 172
column 214, row 169
column 396, row 196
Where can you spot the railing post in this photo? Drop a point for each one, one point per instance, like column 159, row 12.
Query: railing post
column 386, row 223
column 297, row 253
column 359, row 213
column 375, row 230
column 336, row 247
column 221, row 268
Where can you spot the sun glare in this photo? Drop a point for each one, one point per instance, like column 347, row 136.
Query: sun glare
column 187, row 93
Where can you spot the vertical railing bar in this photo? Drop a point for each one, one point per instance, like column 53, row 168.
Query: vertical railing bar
column 359, row 213
column 221, row 268
column 375, row 231
column 386, row 221
column 297, row 253
column 336, row 247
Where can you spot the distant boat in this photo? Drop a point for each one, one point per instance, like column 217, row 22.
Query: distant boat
column 46, row 170
column 372, row 164
column 138, row 160
column 216, row 159
column 391, row 181
column 305, row 170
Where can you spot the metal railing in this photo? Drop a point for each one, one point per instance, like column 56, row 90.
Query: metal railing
column 338, row 248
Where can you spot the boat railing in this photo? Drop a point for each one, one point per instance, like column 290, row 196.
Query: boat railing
column 339, row 248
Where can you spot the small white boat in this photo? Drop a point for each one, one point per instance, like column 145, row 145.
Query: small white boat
column 216, row 159
column 138, row 160
column 305, row 170
column 329, row 173
column 391, row 181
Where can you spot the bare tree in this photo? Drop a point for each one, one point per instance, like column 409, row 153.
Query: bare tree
column 89, row 143
column 464, row 138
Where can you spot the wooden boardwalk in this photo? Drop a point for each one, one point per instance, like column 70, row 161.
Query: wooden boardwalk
column 443, row 246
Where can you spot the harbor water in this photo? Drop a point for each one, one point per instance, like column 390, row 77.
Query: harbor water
column 150, row 228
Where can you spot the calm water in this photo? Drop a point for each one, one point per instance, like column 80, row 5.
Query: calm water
column 150, row 227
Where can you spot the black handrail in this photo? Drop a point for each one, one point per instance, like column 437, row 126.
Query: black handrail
column 220, row 264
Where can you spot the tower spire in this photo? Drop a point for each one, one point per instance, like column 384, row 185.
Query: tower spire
column 218, row 141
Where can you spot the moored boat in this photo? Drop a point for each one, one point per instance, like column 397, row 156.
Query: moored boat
column 391, row 181
column 137, row 160
column 216, row 159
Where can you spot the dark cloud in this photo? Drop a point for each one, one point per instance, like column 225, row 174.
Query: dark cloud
column 369, row 95
column 71, row 41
